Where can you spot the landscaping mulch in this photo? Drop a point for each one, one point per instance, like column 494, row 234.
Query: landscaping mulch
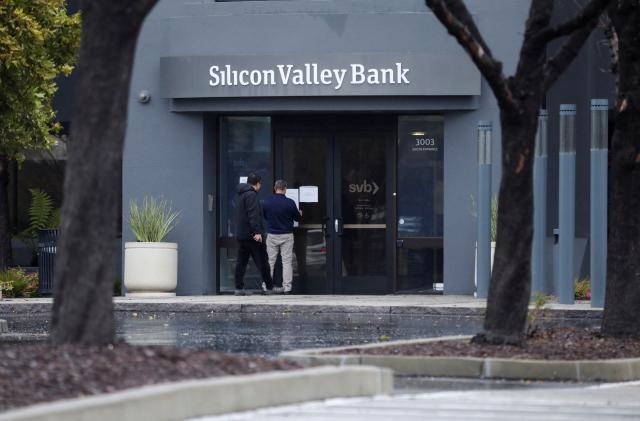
column 556, row 344
column 41, row 372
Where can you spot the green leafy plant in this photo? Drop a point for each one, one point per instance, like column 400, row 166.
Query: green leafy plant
column 494, row 216
column 16, row 283
column 153, row 221
column 582, row 288
column 42, row 215
column 494, row 219
column 540, row 301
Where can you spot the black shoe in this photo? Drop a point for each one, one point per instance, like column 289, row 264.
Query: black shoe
column 267, row 291
column 277, row 290
column 241, row 292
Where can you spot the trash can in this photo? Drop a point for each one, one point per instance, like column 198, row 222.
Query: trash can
column 47, row 244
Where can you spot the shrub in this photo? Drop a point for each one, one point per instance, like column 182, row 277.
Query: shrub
column 494, row 219
column 582, row 288
column 540, row 301
column 153, row 221
column 16, row 283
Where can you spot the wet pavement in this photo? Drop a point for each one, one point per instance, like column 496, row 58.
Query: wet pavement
column 266, row 333
column 266, row 328
column 597, row 403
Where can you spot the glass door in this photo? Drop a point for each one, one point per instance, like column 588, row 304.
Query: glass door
column 360, row 213
column 343, row 244
column 304, row 161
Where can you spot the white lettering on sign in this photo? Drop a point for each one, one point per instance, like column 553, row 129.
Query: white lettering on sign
column 364, row 187
column 308, row 74
column 425, row 145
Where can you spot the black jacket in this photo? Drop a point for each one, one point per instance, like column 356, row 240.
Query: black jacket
column 249, row 213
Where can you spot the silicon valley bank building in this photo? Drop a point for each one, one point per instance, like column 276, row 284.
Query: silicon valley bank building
column 367, row 108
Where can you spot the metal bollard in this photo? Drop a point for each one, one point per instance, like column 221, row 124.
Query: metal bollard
column 598, row 223
column 567, row 202
column 539, row 206
column 483, row 268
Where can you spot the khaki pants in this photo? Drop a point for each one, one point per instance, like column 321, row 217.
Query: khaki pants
column 283, row 244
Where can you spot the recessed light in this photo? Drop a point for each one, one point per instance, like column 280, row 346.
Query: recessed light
column 417, row 133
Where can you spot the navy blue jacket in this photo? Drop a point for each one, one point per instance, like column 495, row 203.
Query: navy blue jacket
column 248, row 213
column 280, row 212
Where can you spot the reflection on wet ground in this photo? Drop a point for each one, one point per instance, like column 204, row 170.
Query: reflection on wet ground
column 269, row 334
column 266, row 333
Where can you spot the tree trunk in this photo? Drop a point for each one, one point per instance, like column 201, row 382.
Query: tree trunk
column 84, row 272
column 622, row 298
column 510, row 288
column 5, row 226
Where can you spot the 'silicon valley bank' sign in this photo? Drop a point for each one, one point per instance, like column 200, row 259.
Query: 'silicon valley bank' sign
column 308, row 74
column 318, row 75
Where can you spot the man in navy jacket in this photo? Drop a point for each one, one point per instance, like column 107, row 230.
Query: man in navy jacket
column 280, row 213
column 250, row 234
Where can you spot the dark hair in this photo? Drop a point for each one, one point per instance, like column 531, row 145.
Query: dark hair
column 280, row 185
column 253, row 179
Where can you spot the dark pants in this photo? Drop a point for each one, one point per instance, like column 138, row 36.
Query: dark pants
column 258, row 252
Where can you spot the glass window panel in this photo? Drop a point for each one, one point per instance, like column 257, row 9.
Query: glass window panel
column 304, row 158
column 363, row 203
column 420, row 176
column 245, row 147
column 419, row 269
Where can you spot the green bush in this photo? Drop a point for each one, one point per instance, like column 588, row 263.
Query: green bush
column 534, row 314
column 153, row 221
column 582, row 289
column 16, row 283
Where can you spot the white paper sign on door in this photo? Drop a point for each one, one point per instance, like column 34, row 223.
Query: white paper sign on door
column 308, row 194
column 243, row 180
column 293, row 194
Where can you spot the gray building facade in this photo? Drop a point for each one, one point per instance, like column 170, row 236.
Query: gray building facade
column 368, row 108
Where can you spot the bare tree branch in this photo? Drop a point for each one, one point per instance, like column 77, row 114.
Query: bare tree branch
column 588, row 13
column 455, row 16
column 557, row 64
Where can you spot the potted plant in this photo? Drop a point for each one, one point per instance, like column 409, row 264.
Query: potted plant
column 493, row 232
column 150, row 264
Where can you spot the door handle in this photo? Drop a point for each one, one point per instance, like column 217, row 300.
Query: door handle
column 337, row 225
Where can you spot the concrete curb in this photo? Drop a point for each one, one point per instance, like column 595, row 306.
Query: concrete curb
column 26, row 307
column 615, row 370
column 194, row 398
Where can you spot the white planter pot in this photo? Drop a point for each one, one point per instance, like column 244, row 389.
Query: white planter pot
column 151, row 269
column 475, row 262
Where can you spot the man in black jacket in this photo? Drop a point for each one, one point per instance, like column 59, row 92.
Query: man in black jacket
column 250, row 234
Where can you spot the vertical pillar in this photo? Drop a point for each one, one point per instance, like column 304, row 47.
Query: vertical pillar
column 598, row 240
column 567, row 202
column 539, row 206
column 483, row 267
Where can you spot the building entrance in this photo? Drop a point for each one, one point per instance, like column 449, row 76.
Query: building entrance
column 343, row 244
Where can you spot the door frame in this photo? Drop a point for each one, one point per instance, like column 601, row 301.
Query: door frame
column 334, row 126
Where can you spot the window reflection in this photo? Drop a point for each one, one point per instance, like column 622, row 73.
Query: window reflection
column 420, row 176
column 245, row 147
column 420, row 201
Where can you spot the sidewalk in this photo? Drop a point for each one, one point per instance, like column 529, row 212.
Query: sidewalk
column 380, row 304
column 607, row 402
